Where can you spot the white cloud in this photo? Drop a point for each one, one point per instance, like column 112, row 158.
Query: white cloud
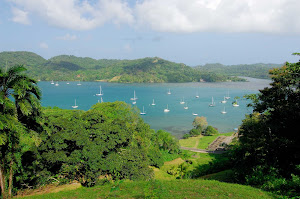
column 268, row 16
column 273, row 16
column 78, row 15
column 43, row 45
column 67, row 37
column 20, row 16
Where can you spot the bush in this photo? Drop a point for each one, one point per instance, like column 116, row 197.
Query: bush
column 210, row 131
column 195, row 132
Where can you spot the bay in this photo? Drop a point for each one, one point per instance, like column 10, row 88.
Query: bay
column 179, row 120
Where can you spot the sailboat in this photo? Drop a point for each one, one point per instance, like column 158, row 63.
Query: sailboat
column 227, row 97
column 166, row 109
column 235, row 104
column 182, row 101
column 143, row 113
column 79, row 84
column 56, row 84
column 52, row 82
column 223, row 112
column 212, row 102
column 197, row 96
column 195, row 114
column 134, row 96
column 186, row 106
column 75, row 106
column 134, row 102
column 224, row 101
column 100, row 93
column 169, row 92
column 153, row 103
column 68, row 83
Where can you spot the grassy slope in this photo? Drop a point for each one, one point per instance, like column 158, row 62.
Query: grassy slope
column 163, row 189
column 200, row 142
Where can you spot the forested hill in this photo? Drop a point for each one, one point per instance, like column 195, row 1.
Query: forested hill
column 258, row 70
column 72, row 68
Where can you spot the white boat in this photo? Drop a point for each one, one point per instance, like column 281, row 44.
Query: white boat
column 153, row 103
column 143, row 113
column 182, row 101
column 197, row 96
column 75, row 106
column 134, row 96
column 212, row 102
column 166, row 109
column 52, row 82
column 186, row 106
column 195, row 114
column 169, row 92
column 134, row 102
column 223, row 112
column 56, row 84
column 68, row 83
column 224, row 101
column 79, row 84
column 100, row 93
column 235, row 104
column 227, row 97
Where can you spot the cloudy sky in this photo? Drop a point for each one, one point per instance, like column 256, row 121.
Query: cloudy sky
column 187, row 31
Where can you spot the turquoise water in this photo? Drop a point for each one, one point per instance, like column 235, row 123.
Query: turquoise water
column 179, row 120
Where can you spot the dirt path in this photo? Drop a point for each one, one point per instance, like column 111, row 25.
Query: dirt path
column 201, row 150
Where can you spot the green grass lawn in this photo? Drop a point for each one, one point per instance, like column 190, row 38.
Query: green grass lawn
column 161, row 189
column 205, row 141
column 200, row 142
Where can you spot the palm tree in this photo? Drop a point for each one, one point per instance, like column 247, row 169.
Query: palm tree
column 20, row 112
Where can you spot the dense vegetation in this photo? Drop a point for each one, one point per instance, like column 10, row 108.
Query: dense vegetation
column 72, row 68
column 268, row 152
column 260, row 70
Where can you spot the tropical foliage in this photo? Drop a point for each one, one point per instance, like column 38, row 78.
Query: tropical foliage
column 19, row 121
column 268, row 154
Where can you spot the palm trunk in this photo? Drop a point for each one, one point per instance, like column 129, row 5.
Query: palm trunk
column 10, row 180
column 2, row 182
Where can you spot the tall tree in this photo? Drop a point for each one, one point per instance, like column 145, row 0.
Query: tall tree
column 270, row 136
column 20, row 111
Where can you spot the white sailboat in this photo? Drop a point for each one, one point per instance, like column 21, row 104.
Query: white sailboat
column 52, row 82
column 134, row 102
column 100, row 93
column 56, row 84
column 195, row 114
column 224, row 101
column 235, row 104
column 79, row 84
column 197, row 96
column 182, row 101
column 212, row 102
column 134, row 96
column 227, row 97
column 68, row 83
column 75, row 106
column 153, row 103
column 169, row 92
column 223, row 112
column 166, row 109
column 143, row 113
column 186, row 106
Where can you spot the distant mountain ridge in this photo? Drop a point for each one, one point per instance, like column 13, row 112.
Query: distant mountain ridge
column 149, row 69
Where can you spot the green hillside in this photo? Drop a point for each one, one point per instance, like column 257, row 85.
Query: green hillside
column 72, row 68
column 161, row 189
column 258, row 70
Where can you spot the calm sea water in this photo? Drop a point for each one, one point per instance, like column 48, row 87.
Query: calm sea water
column 179, row 120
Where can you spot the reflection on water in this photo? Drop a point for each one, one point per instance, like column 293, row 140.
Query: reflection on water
column 179, row 120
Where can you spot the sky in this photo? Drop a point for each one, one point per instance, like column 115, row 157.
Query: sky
column 193, row 32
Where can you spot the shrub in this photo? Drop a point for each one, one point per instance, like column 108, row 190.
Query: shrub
column 210, row 131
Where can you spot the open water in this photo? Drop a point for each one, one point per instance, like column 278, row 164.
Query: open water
column 179, row 120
